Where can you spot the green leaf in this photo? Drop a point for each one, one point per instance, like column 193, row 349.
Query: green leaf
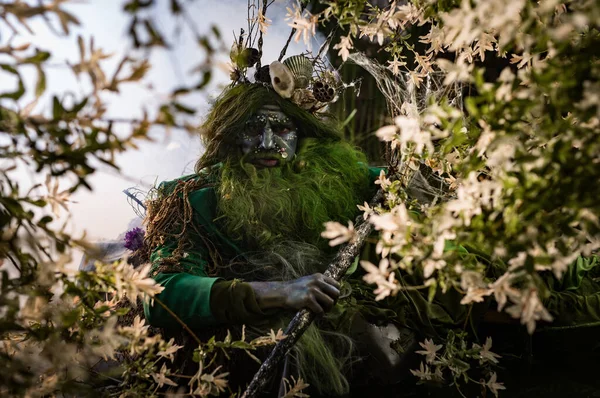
column 38, row 58
column 182, row 108
column 432, row 291
column 79, row 106
column 57, row 108
column 205, row 80
column 180, row 91
column 45, row 220
column 18, row 93
column 40, row 86
column 216, row 31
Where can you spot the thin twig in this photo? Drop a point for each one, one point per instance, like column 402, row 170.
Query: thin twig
column 260, row 34
column 14, row 262
column 186, row 327
column 287, row 43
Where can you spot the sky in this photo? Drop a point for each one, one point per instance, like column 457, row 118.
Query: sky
column 104, row 212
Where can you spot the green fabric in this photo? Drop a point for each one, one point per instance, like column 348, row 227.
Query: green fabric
column 234, row 302
column 577, row 271
column 187, row 294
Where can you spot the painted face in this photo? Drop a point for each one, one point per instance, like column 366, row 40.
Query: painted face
column 270, row 138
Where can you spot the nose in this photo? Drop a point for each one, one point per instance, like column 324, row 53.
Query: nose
column 266, row 139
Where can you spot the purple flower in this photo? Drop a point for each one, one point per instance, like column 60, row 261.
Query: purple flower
column 134, row 239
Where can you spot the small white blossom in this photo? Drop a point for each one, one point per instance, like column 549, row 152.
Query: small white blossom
column 338, row 233
column 382, row 180
column 345, row 45
column 486, row 354
column 430, row 350
column 169, row 350
column 530, row 309
column 493, row 385
column 263, row 22
column 304, row 23
column 382, row 276
column 161, row 378
column 423, row 373
column 395, row 65
column 366, row 209
column 430, row 266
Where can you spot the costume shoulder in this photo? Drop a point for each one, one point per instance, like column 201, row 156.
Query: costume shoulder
column 203, row 179
column 196, row 190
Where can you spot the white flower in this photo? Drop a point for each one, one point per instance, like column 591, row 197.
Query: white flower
column 382, row 276
column 263, row 22
column 135, row 283
column 475, row 295
column 137, row 329
column 396, row 221
column 161, row 379
column 305, row 25
column 485, row 43
column 458, row 71
column 382, row 180
column 430, row 350
column 530, row 309
column 386, row 287
column 410, row 131
column 374, row 29
column 375, row 273
column 169, row 350
column 435, row 38
column 502, row 289
column 388, row 134
column 430, row 265
column 54, row 197
column 395, row 65
column 423, row 373
column 366, row 209
column 218, row 382
column 486, row 354
column 345, row 45
column 493, row 385
column 338, row 233
column 473, row 195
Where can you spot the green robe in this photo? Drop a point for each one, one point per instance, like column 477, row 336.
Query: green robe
column 196, row 298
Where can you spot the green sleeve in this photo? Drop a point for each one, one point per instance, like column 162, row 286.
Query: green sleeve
column 233, row 302
column 187, row 296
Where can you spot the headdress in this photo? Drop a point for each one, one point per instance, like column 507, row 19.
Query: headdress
column 303, row 79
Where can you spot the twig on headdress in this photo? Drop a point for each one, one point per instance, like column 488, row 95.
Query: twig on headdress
column 325, row 46
column 260, row 34
column 287, row 43
column 250, row 20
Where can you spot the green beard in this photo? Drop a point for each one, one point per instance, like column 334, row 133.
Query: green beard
column 263, row 206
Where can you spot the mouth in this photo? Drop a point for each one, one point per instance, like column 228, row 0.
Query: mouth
column 266, row 162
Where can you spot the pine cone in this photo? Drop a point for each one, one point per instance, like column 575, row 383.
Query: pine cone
column 323, row 92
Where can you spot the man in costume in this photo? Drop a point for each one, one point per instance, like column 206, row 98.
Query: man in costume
column 239, row 242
